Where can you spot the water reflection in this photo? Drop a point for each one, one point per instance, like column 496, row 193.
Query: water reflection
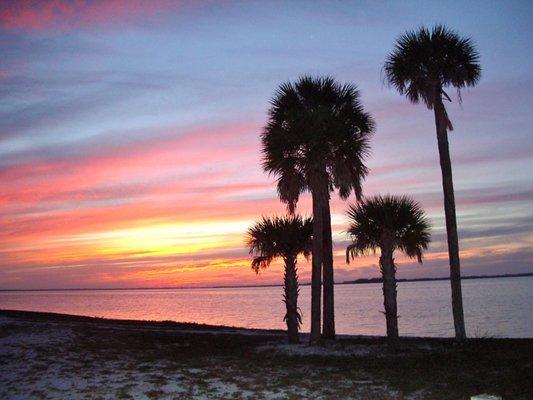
column 493, row 307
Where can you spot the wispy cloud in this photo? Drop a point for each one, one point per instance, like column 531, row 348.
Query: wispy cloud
column 65, row 15
column 129, row 138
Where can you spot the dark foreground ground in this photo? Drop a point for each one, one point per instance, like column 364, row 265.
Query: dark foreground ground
column 52, row 356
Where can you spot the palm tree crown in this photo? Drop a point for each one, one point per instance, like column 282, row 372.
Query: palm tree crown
column 401, row 217
column 425, row 61
column 317, row 134
column 279, row 237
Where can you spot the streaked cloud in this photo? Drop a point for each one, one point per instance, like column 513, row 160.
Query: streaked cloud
column 130, row 152
column 67, row 15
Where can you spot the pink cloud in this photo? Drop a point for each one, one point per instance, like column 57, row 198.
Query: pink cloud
column 203, row 174
column 66, row 15
column 138, row 162
column 4, row 73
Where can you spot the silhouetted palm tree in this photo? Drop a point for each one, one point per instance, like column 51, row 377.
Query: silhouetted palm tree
column 388, row 223
column 285, row 237
column 421, row 66
column 316, row 139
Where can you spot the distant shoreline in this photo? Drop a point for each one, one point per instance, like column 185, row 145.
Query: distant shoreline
column 379, row 280
column 352, row 282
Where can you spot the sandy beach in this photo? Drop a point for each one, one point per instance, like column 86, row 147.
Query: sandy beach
column 53, row 356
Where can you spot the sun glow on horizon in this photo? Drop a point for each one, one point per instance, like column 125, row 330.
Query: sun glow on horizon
column 123, row 166
column 170, row 238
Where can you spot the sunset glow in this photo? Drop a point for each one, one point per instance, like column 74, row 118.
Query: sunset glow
column 130, row 152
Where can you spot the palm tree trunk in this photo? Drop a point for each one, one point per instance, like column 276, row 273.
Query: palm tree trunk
column 441, row 121
column 316, row 273
column 388, row 271
column 291, row 300
column 328, row 329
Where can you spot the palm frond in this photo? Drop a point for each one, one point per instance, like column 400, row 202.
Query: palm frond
column 317, row 130
column 398, row 216
column 284, row 237
column 260, row 262
column 425, row 61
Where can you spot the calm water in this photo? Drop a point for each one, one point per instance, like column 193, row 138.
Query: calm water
column 493, row 307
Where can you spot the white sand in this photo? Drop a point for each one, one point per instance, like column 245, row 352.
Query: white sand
column 35, row 365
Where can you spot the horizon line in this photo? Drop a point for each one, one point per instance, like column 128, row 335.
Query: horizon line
column 349, row 282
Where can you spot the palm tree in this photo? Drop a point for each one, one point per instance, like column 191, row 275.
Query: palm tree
column 388, row 223
column 422, row 65
column 286, row 238
column 316, row 140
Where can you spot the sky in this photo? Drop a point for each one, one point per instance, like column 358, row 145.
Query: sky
column 129, row 136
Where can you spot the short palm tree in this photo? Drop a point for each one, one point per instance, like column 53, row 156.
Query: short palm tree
column 316, row 140
column 285, row 238
column 388, row 223
column 422, row 65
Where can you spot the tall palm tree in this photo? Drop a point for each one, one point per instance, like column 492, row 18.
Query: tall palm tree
column 422, row 65
column 388, row 223
column 316, row 140
column 286, row 238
